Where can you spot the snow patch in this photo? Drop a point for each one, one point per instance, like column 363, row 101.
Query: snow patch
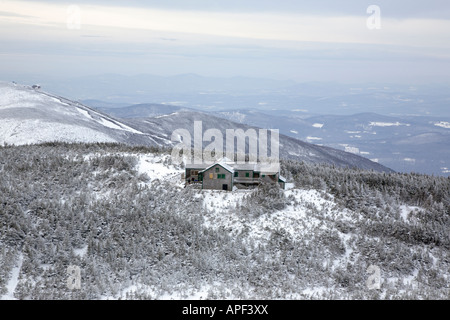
column 112, row 125
column 354, row 150
column 294, row 154
column 405, row 211
column 289, row 185
column 295, row 220
column 14, row 280
column 201, row 292
column 166, row 115
column 313, row 138
column 443, row 124
column 85, row 113
column 157, row 168
column 81, row 252
column 388, row 124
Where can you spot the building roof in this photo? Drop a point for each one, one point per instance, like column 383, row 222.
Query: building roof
column 244, row 166
column 283, row 179
column 231, row 166
column 222, row 164
column 268, row 168
column 196, row 166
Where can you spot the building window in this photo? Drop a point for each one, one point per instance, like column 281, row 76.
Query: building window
column 263, row 175
column 211, row 176
column 221, row 176
column 247, row 174
column 217, row 169
column 236, row 174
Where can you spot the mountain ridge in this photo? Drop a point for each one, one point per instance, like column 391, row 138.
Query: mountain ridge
column 54, row 118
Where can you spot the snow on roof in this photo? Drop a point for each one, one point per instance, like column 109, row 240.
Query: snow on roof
column 267, row 168
column 282, row 178
column 222, row 164
column 244, row 166
column 196, row 166
column 264, row 169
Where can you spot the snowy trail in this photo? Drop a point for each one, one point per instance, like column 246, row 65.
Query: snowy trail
column 12, row 283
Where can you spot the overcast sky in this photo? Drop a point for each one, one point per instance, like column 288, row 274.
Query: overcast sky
column 285, row 39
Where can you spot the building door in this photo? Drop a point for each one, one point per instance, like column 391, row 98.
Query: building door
column 224, row 187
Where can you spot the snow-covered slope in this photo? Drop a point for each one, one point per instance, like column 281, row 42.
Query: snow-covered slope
column 30, row 116
column 122, row 215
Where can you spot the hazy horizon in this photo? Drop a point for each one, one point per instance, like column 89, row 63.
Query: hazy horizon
column 407, row 43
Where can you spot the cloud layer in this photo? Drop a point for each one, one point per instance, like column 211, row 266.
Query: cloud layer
column 210, row 37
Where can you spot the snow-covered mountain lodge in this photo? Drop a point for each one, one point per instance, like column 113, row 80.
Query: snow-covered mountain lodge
column 226, row 174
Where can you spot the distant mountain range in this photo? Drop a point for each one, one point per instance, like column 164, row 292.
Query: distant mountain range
column 30, row 116
column 216, row 94
column 404, row 143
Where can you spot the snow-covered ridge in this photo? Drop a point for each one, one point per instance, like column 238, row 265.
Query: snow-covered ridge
column 29, row 116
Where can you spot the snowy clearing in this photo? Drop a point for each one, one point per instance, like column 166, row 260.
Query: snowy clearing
column 157, row 168
column 14, row 280
column 406, row 210
column 294, row 220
